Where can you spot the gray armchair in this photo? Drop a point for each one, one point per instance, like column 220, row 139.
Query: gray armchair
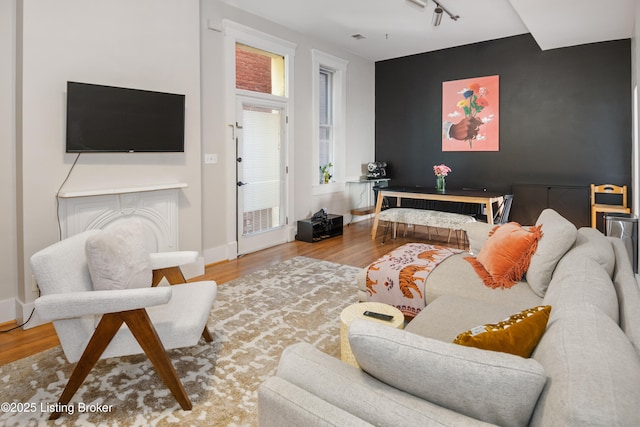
column 97, row 324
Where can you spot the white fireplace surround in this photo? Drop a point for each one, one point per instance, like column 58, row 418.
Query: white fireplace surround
column 156, row 206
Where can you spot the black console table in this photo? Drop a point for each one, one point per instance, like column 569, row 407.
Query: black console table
column 314, row 231
column 570, row 201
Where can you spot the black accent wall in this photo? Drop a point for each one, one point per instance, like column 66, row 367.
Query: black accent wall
column 565, row 115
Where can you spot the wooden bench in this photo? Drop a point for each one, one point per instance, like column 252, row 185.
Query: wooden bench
column 424, row 217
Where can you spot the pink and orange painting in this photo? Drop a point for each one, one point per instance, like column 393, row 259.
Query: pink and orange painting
column 470, row 114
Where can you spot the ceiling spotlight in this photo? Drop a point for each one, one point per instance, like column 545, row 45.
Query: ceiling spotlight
column 437, row 16
column 436, row 19
column 438, row 12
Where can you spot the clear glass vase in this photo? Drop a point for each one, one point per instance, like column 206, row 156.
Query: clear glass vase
column 440, row 183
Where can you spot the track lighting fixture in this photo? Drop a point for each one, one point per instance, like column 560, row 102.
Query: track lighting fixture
column 437, row 14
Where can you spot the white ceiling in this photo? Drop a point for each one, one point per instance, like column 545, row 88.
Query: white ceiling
column 395, row 28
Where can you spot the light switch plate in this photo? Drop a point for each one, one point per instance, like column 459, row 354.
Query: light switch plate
column 210, row 159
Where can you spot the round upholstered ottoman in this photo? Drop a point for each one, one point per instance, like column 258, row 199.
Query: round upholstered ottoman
column 356, row 311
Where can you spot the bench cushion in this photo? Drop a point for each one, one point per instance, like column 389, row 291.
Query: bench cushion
column 425, row 217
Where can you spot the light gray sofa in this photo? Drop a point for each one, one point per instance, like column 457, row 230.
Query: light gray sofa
column 585, row 371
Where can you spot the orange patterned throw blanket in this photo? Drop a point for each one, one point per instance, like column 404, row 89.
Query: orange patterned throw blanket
column 398, row 277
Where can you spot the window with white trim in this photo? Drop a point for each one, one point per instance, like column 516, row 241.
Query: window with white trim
column 325, row 121
column 329, row 106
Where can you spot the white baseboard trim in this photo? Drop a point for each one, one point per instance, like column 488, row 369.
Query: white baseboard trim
column 230, row 250
column 220, row 253
column 193, row 270
column 359, row 218
column 7, row 310
column 23, row 311
column 293, row 230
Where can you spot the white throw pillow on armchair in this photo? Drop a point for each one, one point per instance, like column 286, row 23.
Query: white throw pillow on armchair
column 118, row 258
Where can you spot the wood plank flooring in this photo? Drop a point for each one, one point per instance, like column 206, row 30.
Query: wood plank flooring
column 354, row 247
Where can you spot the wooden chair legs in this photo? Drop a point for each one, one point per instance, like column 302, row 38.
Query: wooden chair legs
column 173, row 274
column 104, row 333
column 207, row 335
column 142, row 329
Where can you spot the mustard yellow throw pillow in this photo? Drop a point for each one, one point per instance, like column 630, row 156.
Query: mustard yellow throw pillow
column 505, row 256
column 519, row 334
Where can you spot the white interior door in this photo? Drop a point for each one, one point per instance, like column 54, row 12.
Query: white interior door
column 261, row 174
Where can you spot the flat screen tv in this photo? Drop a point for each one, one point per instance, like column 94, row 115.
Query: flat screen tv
column 107, row 119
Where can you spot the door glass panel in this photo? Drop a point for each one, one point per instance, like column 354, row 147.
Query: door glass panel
column 262, row 167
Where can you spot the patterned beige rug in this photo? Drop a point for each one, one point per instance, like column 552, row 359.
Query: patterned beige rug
column 253, row 320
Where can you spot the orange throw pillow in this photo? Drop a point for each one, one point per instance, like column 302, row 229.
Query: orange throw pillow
column 519, row 334
column 505, row 256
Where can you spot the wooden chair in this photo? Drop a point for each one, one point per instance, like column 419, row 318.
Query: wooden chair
column 502, row 215
column 603, row 207
column 147, row 320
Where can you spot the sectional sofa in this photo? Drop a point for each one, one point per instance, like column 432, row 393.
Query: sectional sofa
column 583, row 371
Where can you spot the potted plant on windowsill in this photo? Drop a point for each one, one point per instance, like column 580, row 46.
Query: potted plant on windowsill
column 325, row 176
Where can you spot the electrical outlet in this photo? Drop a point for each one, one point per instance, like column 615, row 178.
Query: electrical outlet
column 34, row 284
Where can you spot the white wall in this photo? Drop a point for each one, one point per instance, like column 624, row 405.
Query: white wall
column 8, row 259
column 145, row 44
column 149, row 44
column 217, row 137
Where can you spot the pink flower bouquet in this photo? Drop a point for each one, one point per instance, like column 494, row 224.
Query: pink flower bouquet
column 441, row 170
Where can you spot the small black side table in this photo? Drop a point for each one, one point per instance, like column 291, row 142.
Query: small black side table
column 315, row 231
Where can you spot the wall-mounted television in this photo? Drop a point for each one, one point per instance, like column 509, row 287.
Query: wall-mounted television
column 105, row 119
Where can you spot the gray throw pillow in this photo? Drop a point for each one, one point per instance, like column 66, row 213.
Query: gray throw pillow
column 478, row 234
column 118, row 258
column 558, row 235
column 494, row 387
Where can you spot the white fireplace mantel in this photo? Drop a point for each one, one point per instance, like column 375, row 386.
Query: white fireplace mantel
column 123, row 190
column 156, row 206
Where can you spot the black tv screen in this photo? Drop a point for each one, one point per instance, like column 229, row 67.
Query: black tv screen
column 114, row 119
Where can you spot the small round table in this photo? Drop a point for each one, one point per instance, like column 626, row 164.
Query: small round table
column 355, row 311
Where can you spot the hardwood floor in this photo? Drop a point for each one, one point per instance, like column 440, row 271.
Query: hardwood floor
column 354, row 247
column 20, row 343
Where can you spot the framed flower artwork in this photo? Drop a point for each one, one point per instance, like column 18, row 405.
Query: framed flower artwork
column 470, row 114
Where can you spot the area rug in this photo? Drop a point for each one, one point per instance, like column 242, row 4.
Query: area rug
column 253, row 319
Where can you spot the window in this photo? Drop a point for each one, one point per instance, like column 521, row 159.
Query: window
column 258, row 70
column 325, row 105
column 329, row 104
